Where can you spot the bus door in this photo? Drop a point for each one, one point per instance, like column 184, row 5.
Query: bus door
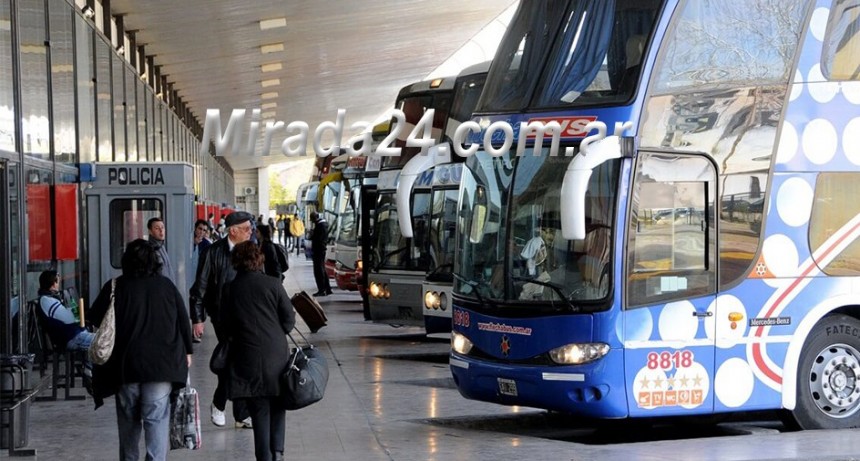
column 668, row 321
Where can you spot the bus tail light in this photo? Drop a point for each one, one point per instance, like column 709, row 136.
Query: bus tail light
column 460, row 343
column 576, row 354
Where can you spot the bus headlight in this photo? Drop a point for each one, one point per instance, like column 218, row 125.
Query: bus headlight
column 375, row 290
column 431, row 300
column 460, row 343
column 576, row 354
column 359, row 265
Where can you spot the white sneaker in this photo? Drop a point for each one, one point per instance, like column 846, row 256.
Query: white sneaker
column 245, row 424
column 218, row 417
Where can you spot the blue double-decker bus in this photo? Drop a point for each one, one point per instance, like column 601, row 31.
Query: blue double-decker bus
column 683, row 240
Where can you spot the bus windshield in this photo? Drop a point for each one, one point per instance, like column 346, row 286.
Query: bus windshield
column 510, row 246
column 594, row 58
column 413, row 109
column 392, row 250
column 348, row 227
column 443, row 222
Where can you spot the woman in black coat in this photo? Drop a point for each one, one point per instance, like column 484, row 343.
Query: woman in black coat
column 151, row 353
column 257, row 315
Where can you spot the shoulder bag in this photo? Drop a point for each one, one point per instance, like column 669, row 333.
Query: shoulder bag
column 304, row 380
column 220, row 358
column 103, row 340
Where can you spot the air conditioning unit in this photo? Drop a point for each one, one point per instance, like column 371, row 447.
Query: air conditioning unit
column 248, row 190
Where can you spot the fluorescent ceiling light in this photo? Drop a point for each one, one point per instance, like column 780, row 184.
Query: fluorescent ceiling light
column 270, row 95
column 272, row 48
column 269, row 105
column 271, row 67
column 274, row 23
column 268, row 115
column 271, row 82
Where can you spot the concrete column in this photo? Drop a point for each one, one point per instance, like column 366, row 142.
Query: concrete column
column 263, row 190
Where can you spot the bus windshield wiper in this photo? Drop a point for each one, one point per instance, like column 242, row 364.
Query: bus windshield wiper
column 388, row 255
column 438, row 268
column 476, row 285
column 557, row 288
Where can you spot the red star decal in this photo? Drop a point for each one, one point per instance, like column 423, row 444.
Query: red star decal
column 505, row 346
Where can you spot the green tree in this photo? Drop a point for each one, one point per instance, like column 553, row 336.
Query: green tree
column 278, row 194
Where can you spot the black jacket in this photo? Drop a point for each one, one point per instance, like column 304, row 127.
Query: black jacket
column 214, row 271
column 319, row 237
column 257, row 313
column 271, row 265
column 153, row 335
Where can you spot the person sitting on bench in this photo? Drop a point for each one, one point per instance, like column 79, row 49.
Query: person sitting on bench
column 63, row 328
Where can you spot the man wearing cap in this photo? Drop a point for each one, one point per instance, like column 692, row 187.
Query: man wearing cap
column 214, row 271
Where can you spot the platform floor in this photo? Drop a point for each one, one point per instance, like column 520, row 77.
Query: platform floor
column 391, row 397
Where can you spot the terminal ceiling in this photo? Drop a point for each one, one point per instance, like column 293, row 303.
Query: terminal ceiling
column 325, row 55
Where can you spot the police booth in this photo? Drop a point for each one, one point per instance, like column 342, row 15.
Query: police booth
column 120, row 199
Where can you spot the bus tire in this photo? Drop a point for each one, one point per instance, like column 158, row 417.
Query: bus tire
column 828, row 376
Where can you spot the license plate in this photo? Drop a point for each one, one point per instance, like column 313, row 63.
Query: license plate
column 507, row 387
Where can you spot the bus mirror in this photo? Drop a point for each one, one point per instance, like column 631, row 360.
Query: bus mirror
column 436, row 155
column 575, row 184
column 479, row 216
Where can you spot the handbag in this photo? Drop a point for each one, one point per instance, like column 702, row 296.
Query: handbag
column 218, row 362
column 304, row 380
column 104, row 338
column 185, row 419
column 283, row 257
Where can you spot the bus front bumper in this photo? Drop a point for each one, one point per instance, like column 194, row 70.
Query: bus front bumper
column 595, row 389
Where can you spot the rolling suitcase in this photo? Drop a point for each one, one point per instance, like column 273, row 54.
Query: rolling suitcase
column 310, row 311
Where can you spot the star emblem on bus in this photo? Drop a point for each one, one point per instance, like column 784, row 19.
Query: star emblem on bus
column 505, row 346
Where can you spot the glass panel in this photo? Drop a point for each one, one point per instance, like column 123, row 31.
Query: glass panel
column 7, row 99
column 741, row 207
column 118, row 78
column 413, row 108
column 35, row 129
column 518, row 62
column 86, row 90
column 738, row 42
column 598, row 57
column 63, row 82
column 544, row 265
column 443, row 223
column 348, row 227
column 390, row 247
column 671, row 248
column 104, row 105
column 128, row 219
column 420, row 248
column 140, row 96
column 841, row 51
column 511, row 247
column 131, row 113
column 835, row 214
column 161, row 132
column 151, row 127
column 481, row 222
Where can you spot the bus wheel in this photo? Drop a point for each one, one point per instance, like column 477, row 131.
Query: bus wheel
column 828, row 385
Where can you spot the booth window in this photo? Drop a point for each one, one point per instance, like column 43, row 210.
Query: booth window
column 128, row 219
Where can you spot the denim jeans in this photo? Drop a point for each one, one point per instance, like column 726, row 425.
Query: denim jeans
column 143, row 406
column 81, row 342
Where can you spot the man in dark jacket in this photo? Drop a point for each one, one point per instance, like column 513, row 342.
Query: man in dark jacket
column 319, row 237
column 213, row 272
column 156, row 238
